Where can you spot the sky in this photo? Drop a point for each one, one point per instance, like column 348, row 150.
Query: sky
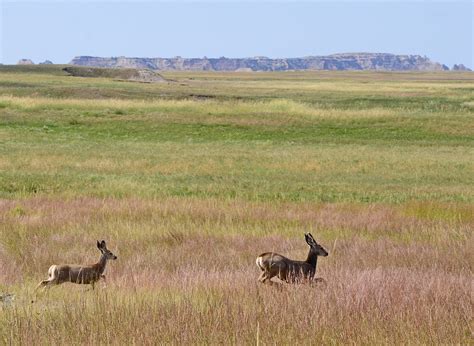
column 60, row 30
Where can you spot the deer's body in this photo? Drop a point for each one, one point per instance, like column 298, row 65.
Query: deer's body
column 272, row 264
column 79, row 274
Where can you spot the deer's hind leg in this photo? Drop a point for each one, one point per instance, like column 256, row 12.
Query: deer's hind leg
column 47, row 284
column 265, row 278
column 43, row 284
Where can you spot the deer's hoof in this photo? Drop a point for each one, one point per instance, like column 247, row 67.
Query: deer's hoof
column 320, row 282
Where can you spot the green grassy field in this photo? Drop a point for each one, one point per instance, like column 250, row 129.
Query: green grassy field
column 189, row 180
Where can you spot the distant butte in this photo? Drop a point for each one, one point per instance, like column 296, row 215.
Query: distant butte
column 342, row 61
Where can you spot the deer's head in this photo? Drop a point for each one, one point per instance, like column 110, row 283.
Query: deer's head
column 106, row 252
column 317, row 249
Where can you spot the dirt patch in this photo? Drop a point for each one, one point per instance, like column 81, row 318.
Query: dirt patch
column 128, row 74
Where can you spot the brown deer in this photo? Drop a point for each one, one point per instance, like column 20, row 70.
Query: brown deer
column 86, row 274
column 290, row 271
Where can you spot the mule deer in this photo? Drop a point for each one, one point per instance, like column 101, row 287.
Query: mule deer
column 290, row 271
column 86, row 274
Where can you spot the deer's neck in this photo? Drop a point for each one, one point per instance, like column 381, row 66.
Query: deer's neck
column 101, row 264
column 312, row 259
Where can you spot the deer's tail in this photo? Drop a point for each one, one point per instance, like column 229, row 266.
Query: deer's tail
column 259, row 262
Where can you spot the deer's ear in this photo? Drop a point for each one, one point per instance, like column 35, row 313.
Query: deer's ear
column 309, row 239
column 102, row 244
column 98, row 244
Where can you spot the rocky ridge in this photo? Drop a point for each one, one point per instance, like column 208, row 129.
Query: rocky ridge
column 460, row 67
column 25, row 62
column 344, row 61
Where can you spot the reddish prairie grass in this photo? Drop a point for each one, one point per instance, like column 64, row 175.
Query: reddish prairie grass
column 186, row 273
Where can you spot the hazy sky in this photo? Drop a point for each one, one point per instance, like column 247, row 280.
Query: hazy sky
column 60, row 30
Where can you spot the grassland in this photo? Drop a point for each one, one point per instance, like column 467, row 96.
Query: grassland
column 190, row 180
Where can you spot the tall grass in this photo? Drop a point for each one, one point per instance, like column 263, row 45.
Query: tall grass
column 186, row 274
column 359, row 306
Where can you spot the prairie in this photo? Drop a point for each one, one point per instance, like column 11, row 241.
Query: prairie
column 189, row 181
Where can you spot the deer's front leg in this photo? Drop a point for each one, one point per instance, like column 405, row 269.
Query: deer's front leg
column 105, row 280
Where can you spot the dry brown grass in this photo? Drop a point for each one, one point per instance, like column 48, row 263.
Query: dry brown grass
column 377, row 305
column 186, row 272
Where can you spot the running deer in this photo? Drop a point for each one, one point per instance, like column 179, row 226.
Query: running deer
column 86, row 274
column 273, row 264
